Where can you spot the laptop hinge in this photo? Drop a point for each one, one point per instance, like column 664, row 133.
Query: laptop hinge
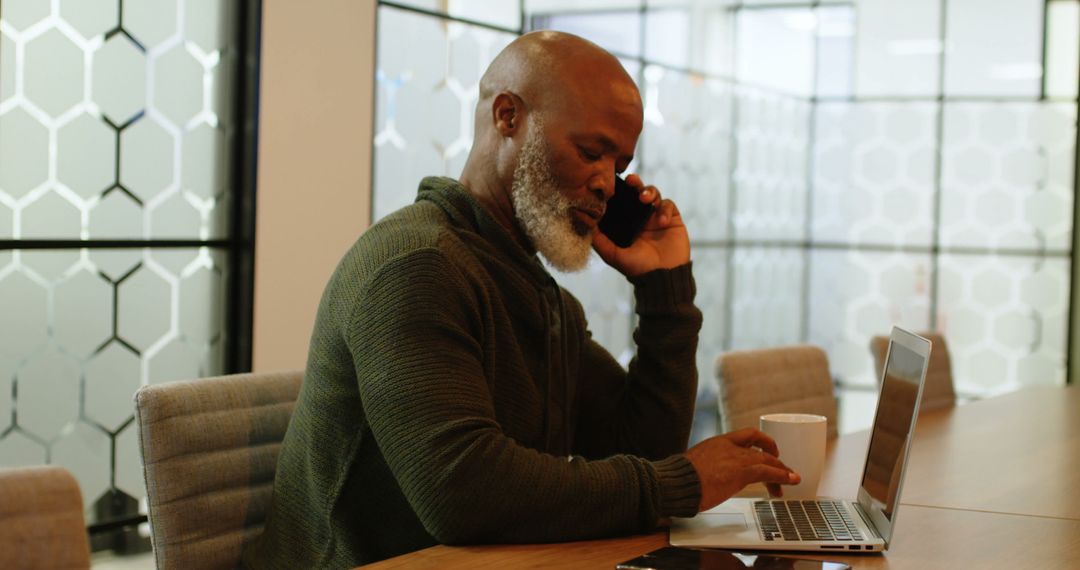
column 866, row 519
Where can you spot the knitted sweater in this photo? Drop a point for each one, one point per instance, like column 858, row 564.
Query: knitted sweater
column 453, row 395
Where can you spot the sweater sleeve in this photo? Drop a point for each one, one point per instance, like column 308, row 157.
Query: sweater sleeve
column 414, row 339
column 646, row 410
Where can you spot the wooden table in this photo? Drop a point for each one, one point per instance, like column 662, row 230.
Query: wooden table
column 992, row 484
column 1018, row 454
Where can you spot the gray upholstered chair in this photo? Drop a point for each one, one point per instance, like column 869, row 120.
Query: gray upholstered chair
column 790, row 379
column 209, row 450
column 938, row 392
column 41, row 519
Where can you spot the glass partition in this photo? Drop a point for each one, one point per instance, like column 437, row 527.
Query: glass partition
column 121, row 148
column 843, row 166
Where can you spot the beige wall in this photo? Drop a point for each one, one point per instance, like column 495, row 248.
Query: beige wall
column 314, row 175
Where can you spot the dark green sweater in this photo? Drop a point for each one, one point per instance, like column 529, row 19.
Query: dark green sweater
column 448, row 381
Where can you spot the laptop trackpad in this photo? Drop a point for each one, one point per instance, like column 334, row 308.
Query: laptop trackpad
column 722, row 521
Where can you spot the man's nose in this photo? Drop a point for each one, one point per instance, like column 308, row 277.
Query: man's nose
column 603, row 185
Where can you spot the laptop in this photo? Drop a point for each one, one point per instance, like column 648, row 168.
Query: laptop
column 865, row 524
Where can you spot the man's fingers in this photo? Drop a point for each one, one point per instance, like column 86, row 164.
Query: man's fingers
column 651, row 195
column 774, row 490
column 648, row 194
column 741, row 436
column 767, row 474
column 748, row 437
column 772, row 461
column 664, row 211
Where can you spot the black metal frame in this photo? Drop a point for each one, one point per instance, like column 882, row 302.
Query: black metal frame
column 241, row 289
column 1070, row 336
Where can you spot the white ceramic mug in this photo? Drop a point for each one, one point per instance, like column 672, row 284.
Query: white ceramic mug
column 801, row 439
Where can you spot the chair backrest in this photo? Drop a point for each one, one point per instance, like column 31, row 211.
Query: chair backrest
column 41, row 519
column 209, row 450
column 790, row 379
column 938, row 392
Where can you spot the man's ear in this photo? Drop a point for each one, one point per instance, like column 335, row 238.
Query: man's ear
column 507, row 113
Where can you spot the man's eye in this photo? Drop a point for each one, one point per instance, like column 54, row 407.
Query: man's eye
column 589, row 155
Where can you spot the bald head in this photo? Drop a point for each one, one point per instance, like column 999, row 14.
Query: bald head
column 550, row 70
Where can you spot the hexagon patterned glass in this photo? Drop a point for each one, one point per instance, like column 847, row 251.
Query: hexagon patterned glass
column 114, row 126
column 97, row 103
column 839, row 170
column 83, row 329
column 427, row 85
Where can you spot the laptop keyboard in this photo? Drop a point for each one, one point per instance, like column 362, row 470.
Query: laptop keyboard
column 805, row 520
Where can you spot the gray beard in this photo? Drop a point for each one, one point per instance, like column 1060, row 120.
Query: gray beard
column 544, row 213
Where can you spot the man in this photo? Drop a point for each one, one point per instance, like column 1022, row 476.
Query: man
column 453, row 393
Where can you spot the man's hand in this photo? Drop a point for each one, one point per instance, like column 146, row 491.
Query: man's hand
column 727, row 463
column 663, row 244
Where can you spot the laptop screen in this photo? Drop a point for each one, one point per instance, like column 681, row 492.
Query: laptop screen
column 896, row 409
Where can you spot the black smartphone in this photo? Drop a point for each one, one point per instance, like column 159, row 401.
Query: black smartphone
column 676, row 558
column 625, row 215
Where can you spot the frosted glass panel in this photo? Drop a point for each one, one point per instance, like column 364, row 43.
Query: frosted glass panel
column 898, row 43
column 767, row 303
column 52, row 213
column 52, row 71
column 86, row 156
column 615, row 31
column 710, row 273
column 686, row 145
column 83, row 329
column 74, row 95
column 7, row 67
column 116, row 122
column 771, row 170
column 496, row 12
column 707, row 39
column 857, row 295
column 874, row 173
column 994, row 47
column 151, row 23
column 427, row 85
column 1007, row 175
column 561, row 6
column 775, row 49
column 178, row 92
column 21, row 14
column 1005, row 320
column 204, row 24
column 7, row 374
column 820, row 124
column 783, row 2
column 24, row 154
column 667, row 37
column 835, row 51
column 129, row 469
column 1062, row 48
column 86, row 452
